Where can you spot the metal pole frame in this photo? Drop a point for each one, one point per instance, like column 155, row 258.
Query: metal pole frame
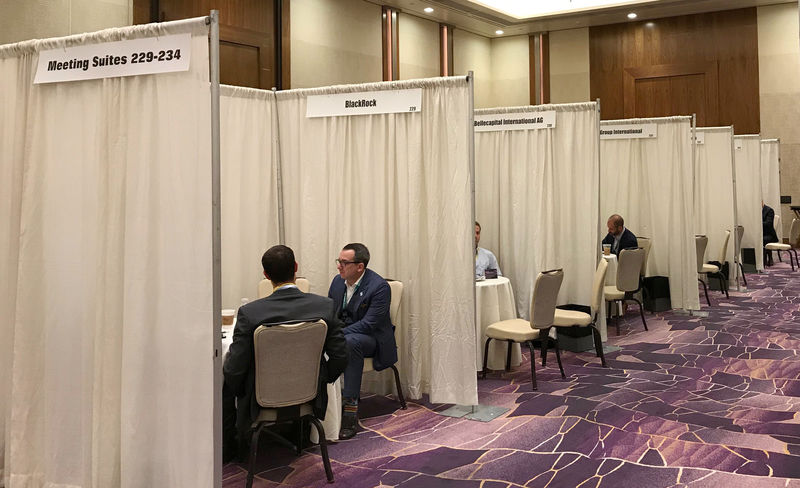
column 216, row 240
column 276, row 139
column 598, row 255
column 737, row 245
column 471, row 151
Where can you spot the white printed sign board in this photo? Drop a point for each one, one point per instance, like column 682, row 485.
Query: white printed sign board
column 629, row 131
column 515, row 121
column 365, row 103
column 700, row 137
column 145, row 56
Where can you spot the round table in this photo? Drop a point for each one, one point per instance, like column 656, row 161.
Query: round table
column 494, row 301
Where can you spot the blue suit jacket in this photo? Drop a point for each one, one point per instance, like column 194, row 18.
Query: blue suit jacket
column 368, row 313
column 627, row 240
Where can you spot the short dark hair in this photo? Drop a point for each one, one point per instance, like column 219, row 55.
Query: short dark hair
column 617, row 220
column 362, row 253
column 477, row 224
column 278, row 263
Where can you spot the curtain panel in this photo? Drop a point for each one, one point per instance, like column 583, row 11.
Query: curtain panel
column 650, row 182
column 771, row 178
column 536, row 197
column 401, row 184
column 714, row 193
column 105, row 252
column 747, row 154
column 248, row 187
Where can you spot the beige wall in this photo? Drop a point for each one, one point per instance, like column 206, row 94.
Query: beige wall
column 474, row 53
column 335, row 42
column 779, row 72
column 21, row 20
column 510, row 75
column 419, row 47
column 569, row 66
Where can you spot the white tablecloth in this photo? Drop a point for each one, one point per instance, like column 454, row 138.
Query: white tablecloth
column 494, row 302
column 333, row 416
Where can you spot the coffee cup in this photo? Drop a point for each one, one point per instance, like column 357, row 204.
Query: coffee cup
column 227, row 316
column 606, row 249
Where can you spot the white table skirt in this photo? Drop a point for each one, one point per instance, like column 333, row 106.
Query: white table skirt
column 333, row 416
column 494, row 301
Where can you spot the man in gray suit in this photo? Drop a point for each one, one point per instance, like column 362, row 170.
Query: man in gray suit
column 287, row 304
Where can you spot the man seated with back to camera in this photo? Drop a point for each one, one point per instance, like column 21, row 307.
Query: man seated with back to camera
column 362, row 300
column 484, row 258
column 286, row 304
column 618, row 236
column 768, row 230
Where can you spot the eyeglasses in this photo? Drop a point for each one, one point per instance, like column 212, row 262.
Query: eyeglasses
column 343, row 263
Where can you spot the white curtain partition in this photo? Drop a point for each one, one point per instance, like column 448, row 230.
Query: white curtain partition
column 536, row 197
column 105, row 258
column 747, row 153
column 249, row 189
column 650, row 183
column 714, row 198
column 771, row 178
column 401, row 184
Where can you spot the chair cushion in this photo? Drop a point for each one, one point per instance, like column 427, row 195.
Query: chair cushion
column 775, row 246
column 710, row 268
column 568, row 318
column 271, row 414
column 517, row 330
column 612, row 293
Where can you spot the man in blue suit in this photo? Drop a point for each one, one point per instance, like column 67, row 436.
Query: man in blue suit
column 618, row 236
column 362, row 301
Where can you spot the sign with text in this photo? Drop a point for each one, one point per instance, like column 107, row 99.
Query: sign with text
column 629, row 131
column 365, row 103
column 700, row 137
column 515, row 121
column 737, row 143
column 145, row 56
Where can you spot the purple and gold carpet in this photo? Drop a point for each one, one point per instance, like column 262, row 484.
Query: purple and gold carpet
column 694, row 402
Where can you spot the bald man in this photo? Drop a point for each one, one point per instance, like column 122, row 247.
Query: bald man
column 618, row 236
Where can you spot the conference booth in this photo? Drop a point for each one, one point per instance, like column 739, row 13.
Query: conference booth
column 771, row 180
column 747, row 155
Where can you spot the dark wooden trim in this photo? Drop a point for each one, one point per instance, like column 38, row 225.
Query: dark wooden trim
column 544, row 66
column 709, row 69
column 445, row 50
column 286, row 46
column 532, row 68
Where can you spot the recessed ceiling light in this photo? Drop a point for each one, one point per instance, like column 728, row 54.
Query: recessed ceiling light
column 632, row 15
column 428, row 10
column 499, row 32
column 649, row 24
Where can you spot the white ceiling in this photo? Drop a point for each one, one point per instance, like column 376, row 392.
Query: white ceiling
column 472, row 17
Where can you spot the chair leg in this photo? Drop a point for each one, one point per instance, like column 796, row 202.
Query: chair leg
column 534, row 387
column 744, row 277
column 558, row 358
column 485, row 357
column 545, row 342
column 641, row 311
column 723, row 283
column 779, row 256
column 791, row 261
column 616, row 311
column 598, row 346
column 299, row 448
column 253, row 451
column 705, row 290
column 400, row 396
column 323, row 448
column 508, row 355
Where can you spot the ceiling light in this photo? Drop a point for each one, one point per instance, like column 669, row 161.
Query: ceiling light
column 632, row 15
column 427, row 10
column 499, row 32
column 649, row 24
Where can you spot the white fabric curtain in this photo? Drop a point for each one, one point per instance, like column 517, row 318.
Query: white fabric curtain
column 714, row 197
column 105, row 252
column 399, row 183
column 650, row 183
column 536, row 197
column 771, row 178
column 249, row 189
column 747, row 154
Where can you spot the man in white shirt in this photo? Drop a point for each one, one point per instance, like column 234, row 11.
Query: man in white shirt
column 484, row 259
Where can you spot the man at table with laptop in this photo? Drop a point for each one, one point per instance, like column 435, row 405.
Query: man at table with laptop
column 485, row 263
column 362, row 299
column 618, row 236
column 286, row 304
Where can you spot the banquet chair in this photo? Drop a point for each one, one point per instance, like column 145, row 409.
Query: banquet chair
column 628, row 282
column 265, row 287
column 287, row 362
column 700, row 243
column 710, row 270
column 778, row 246
column 738, row 253
column 645, row 243
column 394, row 309
column 574, row 318
column 542, row 313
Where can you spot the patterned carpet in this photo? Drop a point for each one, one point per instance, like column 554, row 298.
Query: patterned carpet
column 694, row 402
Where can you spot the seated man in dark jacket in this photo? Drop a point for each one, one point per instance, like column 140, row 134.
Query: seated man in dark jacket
column 618, row 236
column 768, row 230
column 286, row 304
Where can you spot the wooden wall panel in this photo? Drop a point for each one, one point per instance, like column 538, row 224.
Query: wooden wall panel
column 705, row 64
